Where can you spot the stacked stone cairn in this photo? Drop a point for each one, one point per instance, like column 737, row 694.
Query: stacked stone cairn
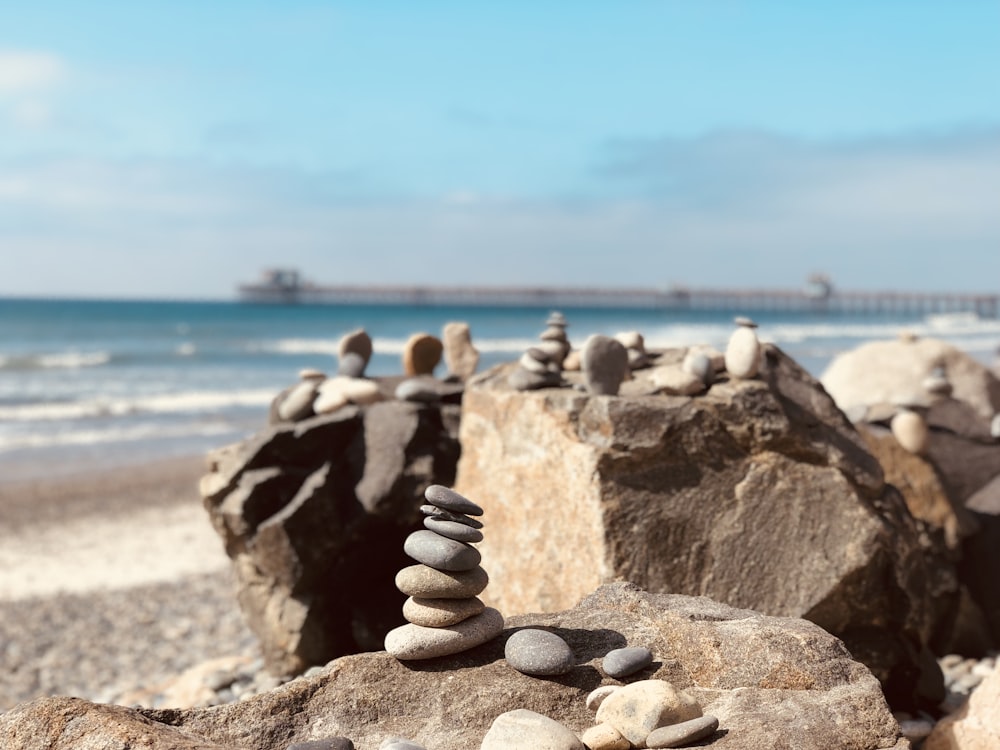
column 743, row 351
column 444, row 614
column 541, row 366
column 635, row 345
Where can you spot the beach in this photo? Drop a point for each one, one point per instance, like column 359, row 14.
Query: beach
column 111, row 580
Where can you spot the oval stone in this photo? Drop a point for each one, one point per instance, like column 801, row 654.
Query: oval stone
column 743, row 353
column 699, row 365
column 428, row 583
column 680, row 735
column 331, row 743
column 298, row 404
column 440, row 613
column 417, row 642
column 417, row 390
column 460, row 532
column 440, row 553
column 446, row 498
column 910, row 430
column 538, row 652
column 621, row 662
column 522, row 729
column 431, row 510
column 637, row 709
column 604, row 737
column 399, row 743
column 597, row 696
column 604, row 362
column 351, row 365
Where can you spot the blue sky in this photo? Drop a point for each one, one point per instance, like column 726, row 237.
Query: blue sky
column 175, row 149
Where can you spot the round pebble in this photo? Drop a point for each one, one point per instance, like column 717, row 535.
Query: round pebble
column 538, row 652
column 621, row 662
column 684, row 733
column 522, row 728
column 440, row 553
column 431, row 510
column 597, row 696
column 417, row 642
column 440, row 613
column 743, row 353
column 446, row 498
column 460, row 532
column 427, row 583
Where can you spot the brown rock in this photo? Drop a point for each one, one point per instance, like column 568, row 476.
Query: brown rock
column 460, row 356
column 772, row 682
column 758, row 493
column 356, row 342
column 421, row 354
column 975, row 726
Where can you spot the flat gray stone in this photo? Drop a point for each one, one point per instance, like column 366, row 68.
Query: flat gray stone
column 439, row 552
column 556, row 318
column 745, row 322
column 436, row 512
column 526, row 380
column 330, row 743
column 553, row 333
column 352, row 365
column 417, row 390
column 440, row 613
column 621, row 662
column 443, row 497
column 460, row 532
column 417, row 642
column 679, row 735
column 298, row 404
column 538, row 652
column 522, row 729
column 428, row 583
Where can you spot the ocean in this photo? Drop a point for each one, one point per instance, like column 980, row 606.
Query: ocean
column 88, row 384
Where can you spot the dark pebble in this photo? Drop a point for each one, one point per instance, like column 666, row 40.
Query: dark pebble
column 452, row 530
column 679, row 735
column 331, row 743
column 625, row 661
column 448, row 499
column 440, row 553
column 431, row 510
column 538, row 652
column 352, row 365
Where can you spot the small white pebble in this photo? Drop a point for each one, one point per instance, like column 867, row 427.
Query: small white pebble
column 598, row 695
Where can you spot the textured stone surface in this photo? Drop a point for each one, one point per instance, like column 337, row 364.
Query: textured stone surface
column 757, row 492
column 522, row 729
column 314, row 514
column 538, row 652
column 976, row 726
column 604, row 737
column 772, row 682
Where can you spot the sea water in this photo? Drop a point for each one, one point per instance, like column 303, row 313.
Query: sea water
column 102, row 383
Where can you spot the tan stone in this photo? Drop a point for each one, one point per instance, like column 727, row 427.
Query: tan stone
column 439, row 613
column 638, row 708
column 604, row 737
column 910, row 430
column 975, row 726
column 356, row 342
column 428, row 583
column 743, row 353
column 675, row 381
column 460, row 356
column 421, row 354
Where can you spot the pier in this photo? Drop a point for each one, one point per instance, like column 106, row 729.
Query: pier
column 818, row 296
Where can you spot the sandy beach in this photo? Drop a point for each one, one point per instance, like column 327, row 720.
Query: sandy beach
column 110, row 580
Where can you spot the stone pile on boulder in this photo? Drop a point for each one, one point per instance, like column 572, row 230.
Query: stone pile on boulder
column 771, row 682
column 541, row 365
column 443, row 613
column 757, row 491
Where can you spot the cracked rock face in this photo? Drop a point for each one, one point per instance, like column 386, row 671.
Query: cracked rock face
column 758, row 493
column 314, row 514
column 771, row 682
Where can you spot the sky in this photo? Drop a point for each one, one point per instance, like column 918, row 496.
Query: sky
column 175, row 149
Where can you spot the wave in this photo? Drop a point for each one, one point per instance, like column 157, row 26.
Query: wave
column 194, row 402
column 60, row 360
column 149, row 431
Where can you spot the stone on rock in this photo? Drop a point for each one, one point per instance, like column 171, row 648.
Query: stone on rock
column 744, row 322
column 446, row 515
column 460, row 532
column 421, row 354
column 429, row 583
column 448, row 499
column 330, row 398
column 418, row 390
column 604, row 737
column 682, row 734
column 637, row 709
column 523, row 379
column 743, row 353
column 675, row 381
column 597, row 695
column 334, row 393
column 538, row 652
column 699, row 364
column 910, row 429
column 571, row 362
column 399, row 743
column 535, row 360
column 557, row 319
column 439, row 613
column 356, row 342
column 439, row 552
column 411, row 642
column 351, row 365
column 604, row 362
column 631, row 340
column 460, row 356
column 553, row 333
column 298, row 404
column 311, row 373
column 622, row 662
column 331, row 743
column 522, row 729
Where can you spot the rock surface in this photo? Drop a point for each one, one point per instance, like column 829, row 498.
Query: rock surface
column 759, row 493
column 772, row 682
column 314, row 514
column 976, row 726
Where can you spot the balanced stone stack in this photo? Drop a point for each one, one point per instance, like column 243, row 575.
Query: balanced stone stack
column 541, row 366
column 554, row 337
column 444, row 614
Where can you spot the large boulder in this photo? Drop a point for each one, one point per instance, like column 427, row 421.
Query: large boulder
column 313, row 515
column 772, row 682
column 758, row 493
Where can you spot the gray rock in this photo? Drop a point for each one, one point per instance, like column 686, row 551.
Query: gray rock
column 430, row 583
column 684, row 733
column 553, row 333
column 538, row 652
column 460, row 532
column 414, row 642
column 435, row 512
column 332, row 743
column 298, row 404
column 604, row 362
column 356, row 342
column 440, row 553
column 352, row 365
column 440, row 613
column 419, row 390
column 522, row 379
column 744, row 322
column 621, row 662
column 443, row 497
column 522, row 729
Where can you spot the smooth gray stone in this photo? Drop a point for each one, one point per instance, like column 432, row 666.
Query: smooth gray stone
column 330, row 743
column 679, row 735
column 526, row 380
column 399, row 743
column 538, row 652
column 417, row 390
column 421, row 581
column 556, row 318
column 621, row 662
column 539, row 355
column 604, row 362
column 411, row 641
column 440, row 553
column 446, row 498
column 352, row 365
column 460, row 532
column 554, row 333
column 434, row 511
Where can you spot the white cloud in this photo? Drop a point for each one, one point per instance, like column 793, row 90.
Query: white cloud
column 29, row 71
